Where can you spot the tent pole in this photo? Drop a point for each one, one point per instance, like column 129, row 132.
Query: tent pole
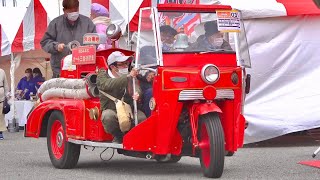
column 128, row 30
column 13, row 126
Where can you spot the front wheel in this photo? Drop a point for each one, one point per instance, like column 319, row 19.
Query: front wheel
column 63, row 154
column 211, row 145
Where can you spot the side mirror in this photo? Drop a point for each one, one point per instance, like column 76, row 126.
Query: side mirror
column 317, row 2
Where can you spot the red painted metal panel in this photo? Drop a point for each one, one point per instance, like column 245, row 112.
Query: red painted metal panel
column 193, row 78
column 196, row 59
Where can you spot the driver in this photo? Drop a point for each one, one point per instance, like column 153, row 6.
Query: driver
column 167, row 34
column 212, row 39
column 117, row 82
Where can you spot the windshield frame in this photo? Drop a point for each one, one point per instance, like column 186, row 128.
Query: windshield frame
column 184, row 9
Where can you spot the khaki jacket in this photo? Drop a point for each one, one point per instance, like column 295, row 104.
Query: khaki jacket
column 116, row 87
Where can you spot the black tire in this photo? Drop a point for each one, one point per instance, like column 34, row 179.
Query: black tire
column 212, row 156
column 67, row 154
column 229, row 153
column 173, row 159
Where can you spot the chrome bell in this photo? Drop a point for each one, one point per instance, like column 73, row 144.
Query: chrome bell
column 181, row 41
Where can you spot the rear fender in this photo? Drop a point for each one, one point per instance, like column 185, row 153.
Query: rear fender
column 195, row 111
column 37, row 121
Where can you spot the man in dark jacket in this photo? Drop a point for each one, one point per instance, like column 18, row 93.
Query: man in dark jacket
column 117, row 82
column 64, row 29
column 211, row 40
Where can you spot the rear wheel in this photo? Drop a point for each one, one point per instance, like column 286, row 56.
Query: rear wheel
column 63, row 154
column 211, row 145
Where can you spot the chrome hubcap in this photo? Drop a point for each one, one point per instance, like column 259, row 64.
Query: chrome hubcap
column 59, row 139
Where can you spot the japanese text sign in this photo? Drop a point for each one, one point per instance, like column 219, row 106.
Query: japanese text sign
column 94, row 38
column 228, row 21
column 84, row 55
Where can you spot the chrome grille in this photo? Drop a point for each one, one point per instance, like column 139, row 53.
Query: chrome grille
column 197, row 94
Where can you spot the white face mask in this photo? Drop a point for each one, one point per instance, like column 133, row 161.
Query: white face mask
column 218, row 42
column 73, row 16
column 123, row 71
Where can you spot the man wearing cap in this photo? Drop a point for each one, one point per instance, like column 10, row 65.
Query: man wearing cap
column 211, row 40
column 64, row 29
column 117, row 82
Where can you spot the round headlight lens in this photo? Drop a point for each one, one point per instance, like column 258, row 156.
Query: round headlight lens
column 210, row 73
column 113, row 31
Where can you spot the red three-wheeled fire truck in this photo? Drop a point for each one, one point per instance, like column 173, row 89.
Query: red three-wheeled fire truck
column 198, row 93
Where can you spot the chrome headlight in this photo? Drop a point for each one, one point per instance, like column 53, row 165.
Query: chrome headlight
column 113, row 31
column 210, row 73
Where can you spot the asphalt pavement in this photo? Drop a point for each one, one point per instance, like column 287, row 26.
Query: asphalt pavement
column 27, row 158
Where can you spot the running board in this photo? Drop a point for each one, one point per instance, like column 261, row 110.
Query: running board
column 97, row 144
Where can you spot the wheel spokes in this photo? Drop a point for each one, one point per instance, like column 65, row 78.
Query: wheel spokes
column 57, row 139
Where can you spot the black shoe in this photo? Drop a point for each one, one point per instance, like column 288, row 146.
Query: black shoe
column 117, row 140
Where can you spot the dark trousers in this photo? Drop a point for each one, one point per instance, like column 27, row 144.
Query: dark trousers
column 147, row 95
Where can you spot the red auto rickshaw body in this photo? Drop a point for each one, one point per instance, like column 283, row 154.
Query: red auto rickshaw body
column 177, row 88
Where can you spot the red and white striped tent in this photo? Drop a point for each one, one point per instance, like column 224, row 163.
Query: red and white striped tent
column 22, row 29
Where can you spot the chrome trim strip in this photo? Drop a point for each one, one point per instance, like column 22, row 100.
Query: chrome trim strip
column 96, row 144
column 197, row 94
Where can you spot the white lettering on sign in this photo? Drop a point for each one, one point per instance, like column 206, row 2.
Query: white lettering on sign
column 84, row 55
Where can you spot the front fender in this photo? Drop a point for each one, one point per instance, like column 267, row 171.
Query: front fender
column 205, row 108
column 195, row 111
column 37, row 120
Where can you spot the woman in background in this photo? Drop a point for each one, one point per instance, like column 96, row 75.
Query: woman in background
column 38, row 79
column 100, row 18
column 26, row 86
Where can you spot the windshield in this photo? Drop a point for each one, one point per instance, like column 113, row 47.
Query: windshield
column 189, row 32
column 193, row 32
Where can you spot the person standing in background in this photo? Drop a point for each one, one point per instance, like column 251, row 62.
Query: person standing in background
column 100, row 18
column 4, row 89
column 26, row 85
column 66, row 28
